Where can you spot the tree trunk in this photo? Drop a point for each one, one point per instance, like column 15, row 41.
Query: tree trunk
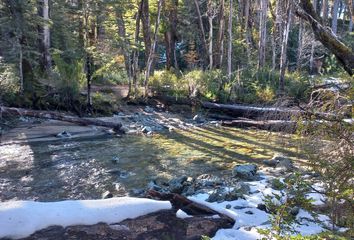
column 351, row 15
column 284, row 47
column 145, row 19
column 171, row 9
column 210, row 47
column 44, row 39
column 219, row 49
column 89, row 63
column 344, row 54
column 201, row 26
column 312, row 53
column 300, row 45
column 247, row 31
column 229, row 50
column 325, row 10
column 335, row 16
column 122, row 34
column 135, row 65
column 58, row 116
column 262, row 33
column 20, row 67
column 152, row 49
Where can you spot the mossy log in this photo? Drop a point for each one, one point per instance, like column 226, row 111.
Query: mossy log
column 59, row 116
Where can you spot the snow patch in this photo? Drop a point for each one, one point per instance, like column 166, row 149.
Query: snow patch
column 20, row 219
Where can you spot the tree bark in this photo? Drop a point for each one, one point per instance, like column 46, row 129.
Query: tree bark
column 300, row 45
column 152, row 49
column 201, row 26
column 58, row 116
column 262, row 33
column 229, row 50
column 171, row 9
column 335, row 16
column 325, row 10
column 284, row 47
column 135, row 65
column 89, row 63
column 219, row 49
column 344, row 54
column 122, row 34
column 44, row 39
column 145, row 19
column 351, row 15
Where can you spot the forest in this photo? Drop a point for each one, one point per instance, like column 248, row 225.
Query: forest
column 181, row 110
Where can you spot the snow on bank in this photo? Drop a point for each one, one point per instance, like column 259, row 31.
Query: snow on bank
column 248, row 218
column 20, row 219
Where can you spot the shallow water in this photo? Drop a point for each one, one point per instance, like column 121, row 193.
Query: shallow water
column 84, row 169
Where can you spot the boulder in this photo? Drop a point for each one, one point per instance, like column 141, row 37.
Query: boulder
column 176, row 185
column 285, row 164
column 270, row 163
column 207, row 180
column 222, row 194
column 245, row 171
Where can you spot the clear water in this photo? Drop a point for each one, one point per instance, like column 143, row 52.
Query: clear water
column 84, row 169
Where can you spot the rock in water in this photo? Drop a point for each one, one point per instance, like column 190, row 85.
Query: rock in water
column 107, row 194
column 245, row 171
column 146, row 129
column 148, row 109
column 198, row 119
column 64, row 134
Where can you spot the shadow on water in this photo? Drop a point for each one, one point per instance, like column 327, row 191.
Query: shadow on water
column 84, row 169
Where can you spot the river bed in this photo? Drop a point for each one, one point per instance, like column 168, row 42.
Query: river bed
column 85, row 168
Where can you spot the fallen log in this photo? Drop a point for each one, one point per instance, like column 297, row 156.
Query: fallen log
column 237, row 110
column 270, row 125
column 180, row 202
column 116, row 126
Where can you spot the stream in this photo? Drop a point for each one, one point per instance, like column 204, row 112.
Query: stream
column 86, row 168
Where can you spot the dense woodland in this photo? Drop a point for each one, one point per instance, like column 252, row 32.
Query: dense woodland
column 52, row 51
column 293, row 57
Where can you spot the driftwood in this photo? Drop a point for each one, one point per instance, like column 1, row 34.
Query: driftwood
column 271, row 125
column 58, row 116
column 180, row 202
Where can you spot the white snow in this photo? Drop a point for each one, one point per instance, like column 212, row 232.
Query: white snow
column 181, row 214
column 19, row 219
column 248, row 218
